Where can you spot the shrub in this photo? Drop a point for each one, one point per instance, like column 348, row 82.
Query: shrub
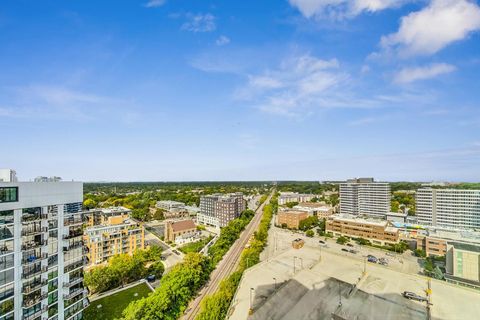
column 342, row 240
column 309, row 233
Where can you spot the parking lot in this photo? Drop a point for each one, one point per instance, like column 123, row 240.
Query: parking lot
column 329, row 285
column 280, row 240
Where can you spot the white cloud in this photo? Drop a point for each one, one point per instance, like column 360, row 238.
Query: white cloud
column 154, row 3
column 431, row 29
column 222, row 40
column 340, row 9
column 200, row 23
column 407, row 75
column 299, row 83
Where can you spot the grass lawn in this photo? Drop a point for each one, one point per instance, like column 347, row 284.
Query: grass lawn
column 195, row 246
column 113, row 305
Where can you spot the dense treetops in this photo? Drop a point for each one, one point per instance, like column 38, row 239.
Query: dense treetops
column 177, row 288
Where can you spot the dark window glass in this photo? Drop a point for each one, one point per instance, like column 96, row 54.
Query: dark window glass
column 8, row 194
column 6, row 277
column 6, row 217
column 6, row 262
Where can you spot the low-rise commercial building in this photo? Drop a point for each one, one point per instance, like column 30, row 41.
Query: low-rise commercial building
column 170, row 205
column 463, row 263
column 287, row 197
column 115, row 234
column 181, row 232
column 379, row 232
column 321, row 210
column 291, row 218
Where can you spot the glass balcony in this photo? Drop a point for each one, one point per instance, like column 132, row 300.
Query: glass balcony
column 33, row 257
column 32, row 299
column 33, row 244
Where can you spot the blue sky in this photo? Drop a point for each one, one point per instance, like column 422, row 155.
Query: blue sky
column 252, row 90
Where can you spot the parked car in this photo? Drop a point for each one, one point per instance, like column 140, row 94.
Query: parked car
column 413, row 296
column 349, row 244
column 353, row 251
column 176, row 252
column 151, row 278
column 383, row 261
column 321, row 241
column 371, row 258
column 345, row 249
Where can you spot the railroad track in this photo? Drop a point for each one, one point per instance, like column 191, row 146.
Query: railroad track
column 227, row 265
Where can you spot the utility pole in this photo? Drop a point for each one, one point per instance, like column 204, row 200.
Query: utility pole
column 251, row 302
column 339, row 295
column 365, row 266
column 429, row 298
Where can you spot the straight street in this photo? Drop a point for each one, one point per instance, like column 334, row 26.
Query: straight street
column 227, row 265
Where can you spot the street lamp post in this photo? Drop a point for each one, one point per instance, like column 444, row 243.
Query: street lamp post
column 275, row 279
column 294, row 264
column 251, row 302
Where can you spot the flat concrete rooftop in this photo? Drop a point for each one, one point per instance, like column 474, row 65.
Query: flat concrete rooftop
column 335, row 288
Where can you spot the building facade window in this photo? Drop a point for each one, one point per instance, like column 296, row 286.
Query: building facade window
column 8, row 194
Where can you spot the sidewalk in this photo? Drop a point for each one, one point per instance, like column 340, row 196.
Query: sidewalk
column 98, row 296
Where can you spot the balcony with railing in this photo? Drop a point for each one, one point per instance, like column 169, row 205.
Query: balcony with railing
column 33, row 270
column 33, row 229
column 33, row 214
column 73, row 293
column 34, row 243
column 73, row 233
column 33, row 256
column 34, row 285
column 73, row 282
column 73, row 221
column 74, row 265
column 29, row 300
column 73, row 245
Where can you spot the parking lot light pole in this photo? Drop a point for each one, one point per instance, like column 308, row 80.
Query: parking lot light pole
column 251, row 291
column 365, row 266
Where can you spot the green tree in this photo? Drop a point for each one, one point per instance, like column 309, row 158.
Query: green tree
column 291, row 204
column 342, row 240
column 308, row 223
column 309, row 233
column 89, row 203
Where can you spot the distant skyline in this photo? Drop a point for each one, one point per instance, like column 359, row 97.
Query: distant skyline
column 168, row 90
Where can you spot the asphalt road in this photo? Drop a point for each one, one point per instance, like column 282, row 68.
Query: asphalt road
column 227, row 265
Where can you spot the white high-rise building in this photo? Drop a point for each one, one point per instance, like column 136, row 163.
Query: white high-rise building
column 41, row 251
column 8, row 175
column 364, row 196
column 449, row 208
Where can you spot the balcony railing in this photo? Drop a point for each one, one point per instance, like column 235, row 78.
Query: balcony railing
column 72, row 282
column 34, row 258
column 33, row 231
column 34, row 272
column 72, row 246
column 72, row 294
column 34, row 244
column 73, row 234
column 72, row 222
column 28, row 288
column 33, row 217
column 74, row 265
column 31, row 301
